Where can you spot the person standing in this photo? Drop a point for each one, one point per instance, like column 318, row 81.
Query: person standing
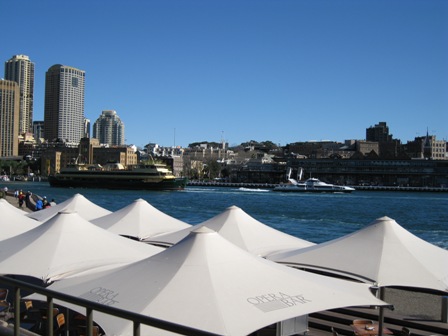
column 39, row 204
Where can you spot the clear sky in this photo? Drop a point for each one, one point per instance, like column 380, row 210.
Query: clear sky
column 183, row 71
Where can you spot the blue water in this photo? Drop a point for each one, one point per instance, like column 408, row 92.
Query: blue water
column 314, row 217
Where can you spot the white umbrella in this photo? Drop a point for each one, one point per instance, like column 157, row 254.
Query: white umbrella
column 383, row 253
column 85, row 208
column 140, row 220
column 66, row 245
column 244, row 231
column 13, row 221
column 208, row 283
column 5, row 203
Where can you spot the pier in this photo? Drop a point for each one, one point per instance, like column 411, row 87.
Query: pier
column 273, row 185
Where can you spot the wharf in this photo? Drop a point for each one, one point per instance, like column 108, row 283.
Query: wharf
column 273, row 185
column 398, row 188
column 231, row 184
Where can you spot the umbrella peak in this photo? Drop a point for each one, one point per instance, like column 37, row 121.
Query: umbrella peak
column 383, row 219
column 203, row 229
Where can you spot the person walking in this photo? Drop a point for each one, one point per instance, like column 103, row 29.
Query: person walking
column 21, row 198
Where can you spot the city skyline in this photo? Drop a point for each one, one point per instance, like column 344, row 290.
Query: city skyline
column 182, row 72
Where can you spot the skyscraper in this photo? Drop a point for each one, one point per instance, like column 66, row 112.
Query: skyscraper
column 9, row 118
column 109, row 129
column 21, row 70
column 64, row 104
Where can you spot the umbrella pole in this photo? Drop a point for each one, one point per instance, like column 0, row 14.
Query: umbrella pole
column 381, row 313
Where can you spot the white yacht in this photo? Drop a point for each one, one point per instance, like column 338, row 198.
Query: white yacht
column 312, row 185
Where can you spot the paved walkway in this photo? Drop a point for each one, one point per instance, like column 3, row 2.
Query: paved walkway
column 13, row 201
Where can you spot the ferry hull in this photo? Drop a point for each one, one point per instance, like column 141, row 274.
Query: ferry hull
column 119, row 183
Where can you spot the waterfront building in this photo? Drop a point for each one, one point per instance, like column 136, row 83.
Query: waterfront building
column 9, row 118
column 21, row 70
column 121, row 154
column 320, row 149
column 57, row 156
column 109, row 129
column 64, row 104
column 427, row 147
column 378, row 133
column 398, row 172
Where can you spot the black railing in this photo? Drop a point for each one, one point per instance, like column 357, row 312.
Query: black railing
column 90, row 306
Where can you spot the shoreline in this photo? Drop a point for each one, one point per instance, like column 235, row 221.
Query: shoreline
column 273, row 185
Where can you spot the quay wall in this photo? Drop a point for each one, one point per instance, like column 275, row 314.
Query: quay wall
column 271, row 186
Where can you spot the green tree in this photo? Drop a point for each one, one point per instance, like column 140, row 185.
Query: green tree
column 213, row 168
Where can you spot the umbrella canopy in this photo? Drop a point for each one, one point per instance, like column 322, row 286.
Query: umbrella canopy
column 140, row 220
column 208, row 283
column 85, row 208
column 13, row 221
column 4, row 202
column 383, row 253
column 244, row 231
column 66, row 245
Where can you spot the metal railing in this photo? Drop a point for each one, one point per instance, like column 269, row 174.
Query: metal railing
column 90, row 306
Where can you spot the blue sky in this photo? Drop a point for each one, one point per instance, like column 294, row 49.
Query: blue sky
column 183, row 71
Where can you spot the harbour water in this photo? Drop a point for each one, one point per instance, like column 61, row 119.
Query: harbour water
column 314, row 217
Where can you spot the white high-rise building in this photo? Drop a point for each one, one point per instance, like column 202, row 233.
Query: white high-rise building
column 21, row 70
column 64, row 104
column 109, row 129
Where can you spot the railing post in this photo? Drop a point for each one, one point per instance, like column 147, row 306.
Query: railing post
column 50, row 307
column 89, row 326
column 17, row 310
column 444, row 309
column 136, row 328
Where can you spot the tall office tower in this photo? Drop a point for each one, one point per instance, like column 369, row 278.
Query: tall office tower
column 9, row 118
column 21, row 70
column 64, row 104
column 379, row 133
column 38, row 129
column 109, row 129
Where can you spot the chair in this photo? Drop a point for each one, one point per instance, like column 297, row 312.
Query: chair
column 362, row 321
column 4, row 308
column 80, row 322
column 405, row 332
column 44, row 313
column 4, row 304
column 29, row 311
column 3, row 294
column 60, row 324
column 28, row 305
column 335, row 333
